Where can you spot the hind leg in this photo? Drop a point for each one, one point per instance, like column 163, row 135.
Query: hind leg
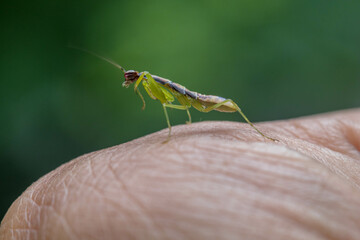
column 236, row 107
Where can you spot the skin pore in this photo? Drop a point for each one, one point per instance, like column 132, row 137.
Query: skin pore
column 212, row 180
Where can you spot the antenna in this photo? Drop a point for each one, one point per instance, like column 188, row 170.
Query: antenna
column 99, row 56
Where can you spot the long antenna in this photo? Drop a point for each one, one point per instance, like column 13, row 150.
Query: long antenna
column 99, row 56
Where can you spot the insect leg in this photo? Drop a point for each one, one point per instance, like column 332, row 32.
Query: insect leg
column 137, row 90
column 168, row 123
column 184, row 101
column 142, row 98
column 155, row 88
column 146, row 86
column 180, row 107
column 210, row 108
column 188, row 113
column 138, row 81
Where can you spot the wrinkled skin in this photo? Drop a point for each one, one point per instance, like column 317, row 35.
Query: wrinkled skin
column 212, row 180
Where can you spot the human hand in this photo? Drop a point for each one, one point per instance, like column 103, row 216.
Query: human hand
column 212, row 180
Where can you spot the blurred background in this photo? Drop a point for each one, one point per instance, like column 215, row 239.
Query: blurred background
column 277, row 59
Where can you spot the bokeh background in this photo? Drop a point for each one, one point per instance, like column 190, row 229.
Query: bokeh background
column 278, row 59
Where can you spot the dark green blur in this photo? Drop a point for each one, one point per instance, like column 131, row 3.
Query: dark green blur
column 277, row 59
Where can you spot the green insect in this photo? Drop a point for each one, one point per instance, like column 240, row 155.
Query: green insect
column 166, row 91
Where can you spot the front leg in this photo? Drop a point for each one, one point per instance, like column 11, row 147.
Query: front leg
column 139, row 80
column 137, row 91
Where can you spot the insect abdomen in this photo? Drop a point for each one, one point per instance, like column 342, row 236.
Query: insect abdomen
column 210, row 100
column 204, row 100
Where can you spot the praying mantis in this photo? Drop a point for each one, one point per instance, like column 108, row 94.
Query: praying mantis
column 166, row 92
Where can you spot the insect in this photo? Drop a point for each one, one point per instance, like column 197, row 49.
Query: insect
column 166, row 91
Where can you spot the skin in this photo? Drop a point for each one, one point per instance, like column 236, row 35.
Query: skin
column 212, row 180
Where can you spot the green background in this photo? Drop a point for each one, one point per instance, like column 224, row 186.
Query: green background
column 277, row 59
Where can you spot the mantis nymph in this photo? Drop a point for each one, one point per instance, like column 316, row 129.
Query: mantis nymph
column 166, row 91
